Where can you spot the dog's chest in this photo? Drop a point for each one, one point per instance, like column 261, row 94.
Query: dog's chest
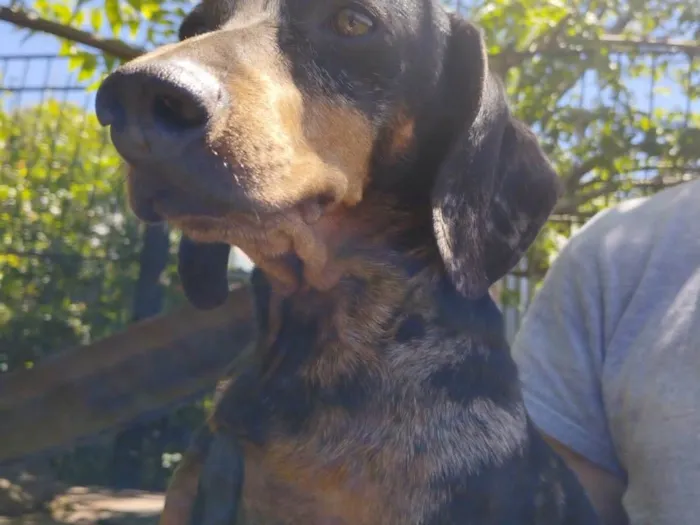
column 358, row 463
column 346, row 429
column 323, row 427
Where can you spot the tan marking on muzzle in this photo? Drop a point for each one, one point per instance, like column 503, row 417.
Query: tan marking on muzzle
column 291, row 146
column 342, row 139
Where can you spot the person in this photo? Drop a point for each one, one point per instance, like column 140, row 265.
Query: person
column 609, row 358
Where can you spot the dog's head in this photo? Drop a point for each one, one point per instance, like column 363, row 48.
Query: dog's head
column 271, row 120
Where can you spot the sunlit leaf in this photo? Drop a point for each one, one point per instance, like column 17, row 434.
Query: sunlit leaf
column 96, row 20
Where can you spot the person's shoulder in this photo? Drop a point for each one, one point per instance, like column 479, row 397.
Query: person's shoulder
column 636, row 221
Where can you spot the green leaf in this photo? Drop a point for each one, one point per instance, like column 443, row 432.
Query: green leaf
column 110, row 62
column 88, row 67
column 114, row 16
column 149, row 8
column 42, row 7
column 134, row 26
column 136, row 4
column 96, row 20
column 62, row 12
column 75, row 62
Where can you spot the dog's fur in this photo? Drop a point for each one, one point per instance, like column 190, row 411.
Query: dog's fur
column 381, row 186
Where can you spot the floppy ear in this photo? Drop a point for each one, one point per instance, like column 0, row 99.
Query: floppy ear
column 192, row 24
column 495, row 188
column 203, row 272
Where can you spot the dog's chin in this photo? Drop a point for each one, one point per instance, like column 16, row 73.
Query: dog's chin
column 153, row 198
column 271, row 236
column 154, row 201
column 262, row 234
column 230, row 229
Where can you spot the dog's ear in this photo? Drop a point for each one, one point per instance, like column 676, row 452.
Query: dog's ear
column 193, row 24
column 495, row 187
column 203, row 269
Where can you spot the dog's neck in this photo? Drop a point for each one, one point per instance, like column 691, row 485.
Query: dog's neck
column 393, row 290
column 381, row 234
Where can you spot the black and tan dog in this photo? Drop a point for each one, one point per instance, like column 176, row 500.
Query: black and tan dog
column 365, row 158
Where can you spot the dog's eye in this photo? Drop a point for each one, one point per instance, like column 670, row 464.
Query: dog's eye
column 352, row 22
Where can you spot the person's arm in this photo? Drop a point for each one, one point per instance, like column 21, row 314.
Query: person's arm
column 604, row 489
column 559, row 350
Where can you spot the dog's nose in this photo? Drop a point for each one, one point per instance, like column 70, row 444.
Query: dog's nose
column 156, row 109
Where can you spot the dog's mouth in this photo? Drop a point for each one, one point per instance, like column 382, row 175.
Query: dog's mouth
column 154, row 198
column 191, row 182
column 222, row 216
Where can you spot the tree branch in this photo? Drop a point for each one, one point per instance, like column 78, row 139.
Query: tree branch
column 571, row 218
column 648, row 45
column 31, row 254
column 138, row 374
column 110, row 46
column 579, row 171
column 571, row 206
column 622, row 22
column 614, row 42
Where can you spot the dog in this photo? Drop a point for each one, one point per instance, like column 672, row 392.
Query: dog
column 365, row 157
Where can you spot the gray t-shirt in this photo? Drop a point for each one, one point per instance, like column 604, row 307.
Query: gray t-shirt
column 609, row 352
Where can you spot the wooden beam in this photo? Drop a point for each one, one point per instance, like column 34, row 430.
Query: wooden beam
column 137, row 374
column 34, row 22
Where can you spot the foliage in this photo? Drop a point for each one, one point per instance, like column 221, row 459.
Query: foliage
column 69, row 247
column 617, row 121
column 66, row 242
